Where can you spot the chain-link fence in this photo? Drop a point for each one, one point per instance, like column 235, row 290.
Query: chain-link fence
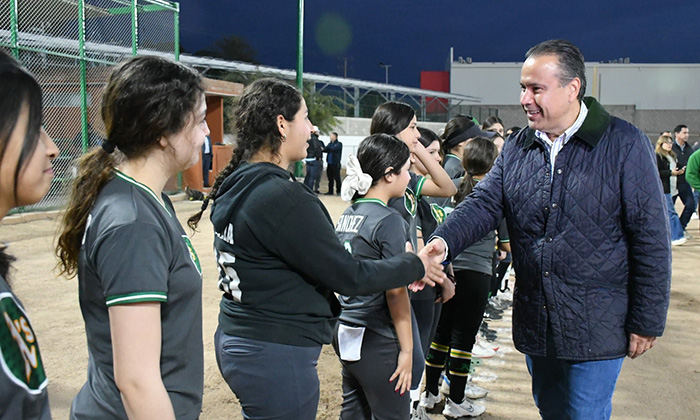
column 70, row 47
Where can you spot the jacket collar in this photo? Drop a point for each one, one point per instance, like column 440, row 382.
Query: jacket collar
column 592, row 129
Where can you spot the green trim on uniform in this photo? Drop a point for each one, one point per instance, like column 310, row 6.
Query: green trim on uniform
column 419, row 187
column 370, row 200
column 454, row 156
column 504, row 241
column 144, row 187
column 136, row 298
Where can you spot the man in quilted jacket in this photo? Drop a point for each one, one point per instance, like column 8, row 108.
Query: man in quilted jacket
column 590, row 239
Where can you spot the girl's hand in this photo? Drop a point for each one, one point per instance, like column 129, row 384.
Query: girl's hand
column 448, row 291
column 432, row 256
column 403, row 372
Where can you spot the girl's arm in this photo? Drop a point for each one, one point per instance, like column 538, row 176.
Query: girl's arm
column 136, row 341
column 400, row 310
column 439, row 184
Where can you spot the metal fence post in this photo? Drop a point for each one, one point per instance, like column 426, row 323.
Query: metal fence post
column 14, row 29
column 83, row 74
column 134, row 28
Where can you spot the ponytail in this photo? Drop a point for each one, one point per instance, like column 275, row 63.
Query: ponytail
column 465, row 188
column 233, row 164
column 95, row 169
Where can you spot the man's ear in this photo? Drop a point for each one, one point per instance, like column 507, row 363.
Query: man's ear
column 575, row 86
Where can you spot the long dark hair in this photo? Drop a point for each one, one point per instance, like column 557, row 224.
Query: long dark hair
column 378, row 152
column 18, row 89
column 391, row 118
column 479, row 155
column 255, row 115
column 146, row 98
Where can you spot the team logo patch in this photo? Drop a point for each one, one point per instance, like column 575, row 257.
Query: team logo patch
column 410, row 202
column 193, row 254
column 438, row 213
column 19, row 352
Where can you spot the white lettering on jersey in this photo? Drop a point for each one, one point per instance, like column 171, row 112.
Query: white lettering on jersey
column 229, row 281
column 349, row 223
column 226, row 235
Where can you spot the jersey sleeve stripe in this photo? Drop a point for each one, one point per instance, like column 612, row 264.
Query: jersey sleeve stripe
column 419, row 187
column 136, row 298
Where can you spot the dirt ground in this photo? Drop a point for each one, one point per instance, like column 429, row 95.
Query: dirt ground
column 662, row 384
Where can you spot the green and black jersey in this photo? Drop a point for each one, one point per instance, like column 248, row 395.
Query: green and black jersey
column 370, row 230
column 135, row 250
column 23, row 393
column 407, row 206
column 453, row 166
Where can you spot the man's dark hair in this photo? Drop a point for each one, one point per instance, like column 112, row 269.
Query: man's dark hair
column 571, row 62
column 679, row 128
column 335, row 134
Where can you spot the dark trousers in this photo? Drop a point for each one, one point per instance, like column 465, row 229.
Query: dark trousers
column 333, row 172
column 367, row 392
column 206, row 167
column 456, row 332
column 271, row 381
column 313, row 174
column 685, row 192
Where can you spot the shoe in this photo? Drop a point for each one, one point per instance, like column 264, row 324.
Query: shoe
column 694, row 216
column 419, row 413
column 317, row 191
column 328, row 193
column 481, row 352
column 679, row 242
column 493, row 314
column 687, row 235
column 473, row 391
column 483, row 343
column 499, row 303
column 429, row 400
column 464, row 409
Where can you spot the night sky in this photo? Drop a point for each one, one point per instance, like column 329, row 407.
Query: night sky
column 413, row 35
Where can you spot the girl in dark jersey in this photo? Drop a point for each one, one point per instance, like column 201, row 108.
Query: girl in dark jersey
column 373, row 338
column 398, row 119
column 140, row 279
column 280, row 261
column 460, row 318
column 26, row 152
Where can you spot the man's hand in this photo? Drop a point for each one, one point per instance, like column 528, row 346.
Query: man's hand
column 431, row 256
column 639, row 344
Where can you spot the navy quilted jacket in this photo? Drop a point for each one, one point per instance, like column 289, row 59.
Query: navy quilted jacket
column 591, row 249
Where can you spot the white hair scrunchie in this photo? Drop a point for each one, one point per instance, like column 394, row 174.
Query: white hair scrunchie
column 355, row 181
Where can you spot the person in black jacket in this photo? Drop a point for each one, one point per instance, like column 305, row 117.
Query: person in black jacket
column 585, row 211
column 683, row 151
column 669, row 172
column 314, row 162
column 278, row 305
column 335, row 154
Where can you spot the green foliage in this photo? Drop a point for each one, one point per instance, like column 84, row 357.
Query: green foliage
column 323, row 110
column 231, row 47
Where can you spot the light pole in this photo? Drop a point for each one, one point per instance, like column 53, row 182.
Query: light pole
column 386, row 69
